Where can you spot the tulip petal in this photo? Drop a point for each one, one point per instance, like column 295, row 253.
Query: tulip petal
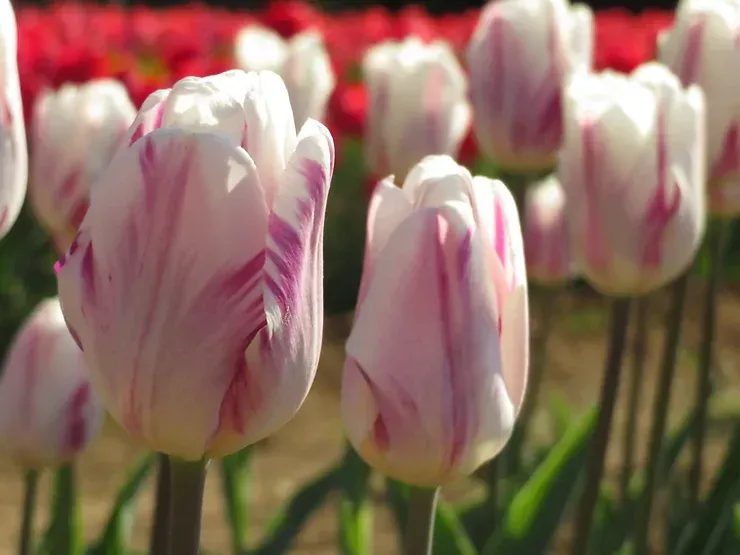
column 389, row 206
column 500, row 218
column 47, row 409
column 164, row 285
column 13, row 149
column 286, row 356
column 270, row 134
column 431, row 281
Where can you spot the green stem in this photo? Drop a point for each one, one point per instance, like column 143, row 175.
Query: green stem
column 539, row 362
column 235, row 478
column 716, row 243
column 161, row 526
column 186, row 505
column 673, row 322
column 355, row 508
column 635, row 390
column 597, row 454
column 63, row 534
column 29, row 509
column 420, row 521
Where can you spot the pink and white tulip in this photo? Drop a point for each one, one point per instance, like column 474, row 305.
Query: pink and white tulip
column 76, row 131
column 520, row 57
column 546, row 239
column 633, row 167
column 48, row 411
column 437, row 360
column 417, row 104
column 703, row 48
column 195, row 284
column 303, row 62
column 13, row 150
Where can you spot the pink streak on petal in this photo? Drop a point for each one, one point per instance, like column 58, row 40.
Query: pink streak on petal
column 78, row 214
column 63, row 259
column 459, row 424
column 381, row 435
column 661, row 209
column 501, row 239
column 77, row 424
column 689, row 66
column 3, row 216
column 68, row 187
column 144, row 129
column 171, row 214
column 728, row 162
column 33, row 362
column 242, row 396
column 596, row 251
column 288, row 258
column 88, row 275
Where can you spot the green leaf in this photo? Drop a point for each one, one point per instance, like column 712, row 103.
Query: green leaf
column 532, row 518
column 117, row 532
column 63, row 535
column 287, row 524
column 450, row 537
column 235, row 484
column 614, row 522
column 355, row 506
column 704, row 533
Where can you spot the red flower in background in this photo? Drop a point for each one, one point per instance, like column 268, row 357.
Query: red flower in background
column 148, row 48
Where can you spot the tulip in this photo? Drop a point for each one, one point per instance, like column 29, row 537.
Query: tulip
column 437, row 359
column 632, row 167
column 48, row 412
column 417, row 104
column 703, row 48
column 194, row 286
column 546, row 240
column 302, row 62
column 76, row 131
column 13, row 153
column 520, row 57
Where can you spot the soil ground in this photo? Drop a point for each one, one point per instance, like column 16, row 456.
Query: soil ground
column 313, row 440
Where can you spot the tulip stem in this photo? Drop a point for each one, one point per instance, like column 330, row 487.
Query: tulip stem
column 186, row 505
column 161, row 527
column 420, row 521
column 29, row 509
column 236, row 473
column 672, row 338
column 716, row 243
column 634, row 396
column 597, row 450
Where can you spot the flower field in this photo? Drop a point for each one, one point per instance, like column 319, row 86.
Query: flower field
column 369, row 282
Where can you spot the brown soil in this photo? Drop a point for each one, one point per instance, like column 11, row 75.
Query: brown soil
column 313, row 440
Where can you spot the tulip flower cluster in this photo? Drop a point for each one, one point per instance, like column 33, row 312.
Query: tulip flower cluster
column 184, row 179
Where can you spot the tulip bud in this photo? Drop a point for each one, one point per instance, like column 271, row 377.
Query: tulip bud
column 632, row 167
column 195, row 284
column 437, row 359
column 703, row 47
column 13, row 152
column 520, row 57
column 302, row 62
column 76, row 131
column 417, row 104
column 48, row 412
column 546, row 240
